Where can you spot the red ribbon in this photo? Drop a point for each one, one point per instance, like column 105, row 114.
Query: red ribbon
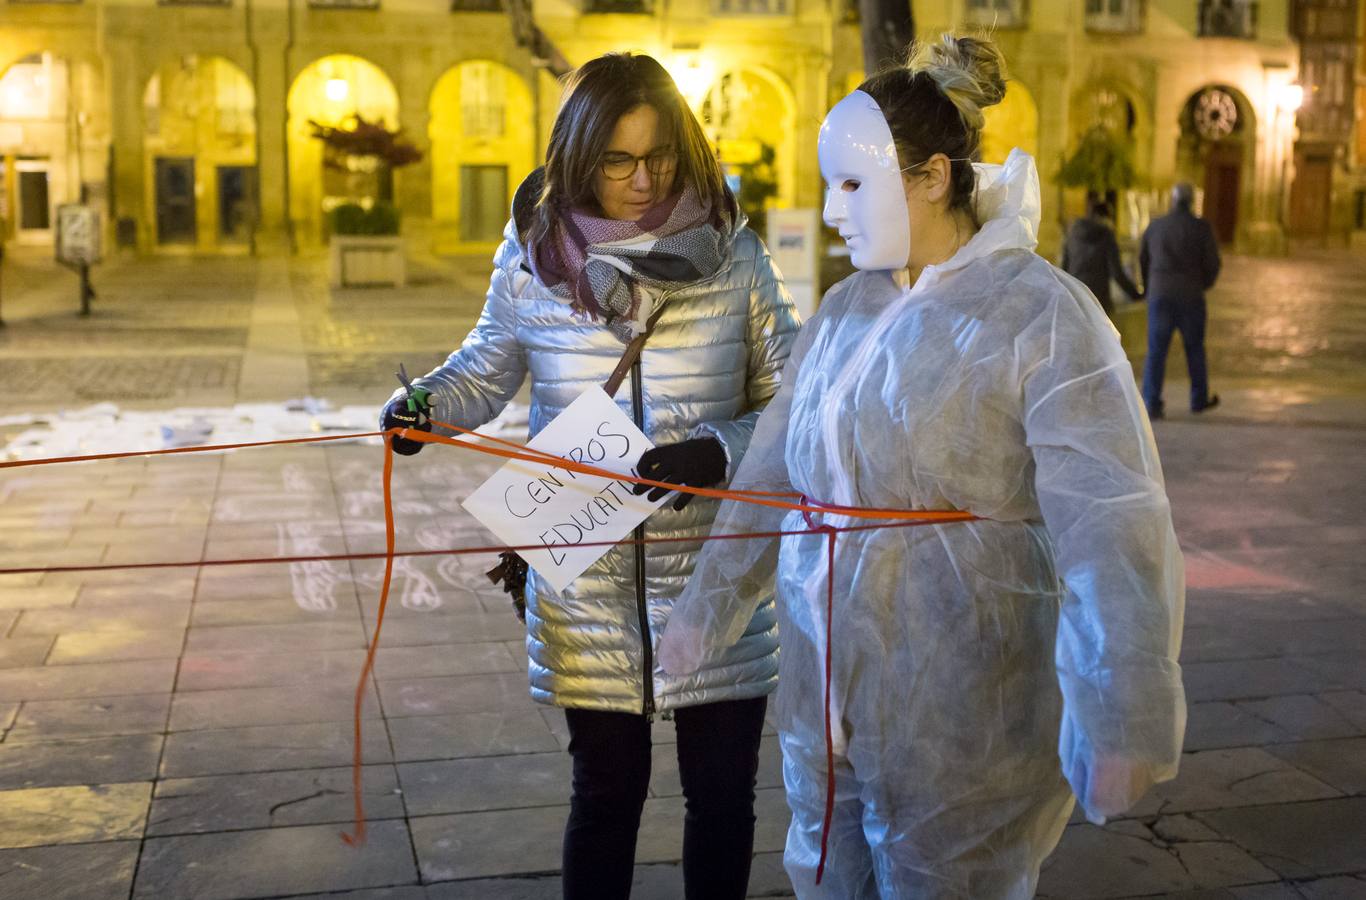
column 889, row 518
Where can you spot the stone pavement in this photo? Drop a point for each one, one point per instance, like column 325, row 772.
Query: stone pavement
column 187, row 732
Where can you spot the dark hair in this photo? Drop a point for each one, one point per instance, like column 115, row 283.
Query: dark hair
column 934, row 103
column 1101, row 209
column 597, row 95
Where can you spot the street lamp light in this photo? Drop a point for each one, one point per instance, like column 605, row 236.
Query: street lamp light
column 336, row 89
column 1289, row 97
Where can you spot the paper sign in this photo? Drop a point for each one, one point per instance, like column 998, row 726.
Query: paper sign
column 542, row 504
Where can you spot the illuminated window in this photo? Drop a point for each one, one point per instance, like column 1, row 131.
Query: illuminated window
column 997, row 13
column 1228, row 18
column 483, row 90
column 1114, row 16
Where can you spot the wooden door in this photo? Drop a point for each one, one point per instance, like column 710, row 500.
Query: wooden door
column 1223, row 184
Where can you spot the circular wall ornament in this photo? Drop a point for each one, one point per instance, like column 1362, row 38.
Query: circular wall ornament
column 1216, row 114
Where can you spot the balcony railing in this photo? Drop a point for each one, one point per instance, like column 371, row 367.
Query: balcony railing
column 1228, row 18
column 751, row 7
column 997, row 13
column 343, row 4
column 637, row 7
column 1114, row 16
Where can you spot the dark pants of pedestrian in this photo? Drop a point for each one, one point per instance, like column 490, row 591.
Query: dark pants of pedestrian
column 1164, row 317
column 718, row 760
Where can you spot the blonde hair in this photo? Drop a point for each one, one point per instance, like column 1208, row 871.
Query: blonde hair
column 970, row 73
column 933, row 104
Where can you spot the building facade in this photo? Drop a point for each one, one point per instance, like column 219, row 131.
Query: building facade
column 1327, row 184
column 189, row 122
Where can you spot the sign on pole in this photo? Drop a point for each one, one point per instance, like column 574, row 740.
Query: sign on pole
column 793, row 242
column 558, row 510
column 78, row 234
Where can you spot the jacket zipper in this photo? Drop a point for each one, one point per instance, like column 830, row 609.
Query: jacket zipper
column 648, row 661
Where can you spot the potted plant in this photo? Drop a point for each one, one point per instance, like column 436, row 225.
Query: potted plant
column 365, row 246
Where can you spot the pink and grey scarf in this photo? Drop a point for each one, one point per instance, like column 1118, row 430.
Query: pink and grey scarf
column 597, row 265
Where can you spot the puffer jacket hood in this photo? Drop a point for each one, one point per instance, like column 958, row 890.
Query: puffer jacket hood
column 712, row 363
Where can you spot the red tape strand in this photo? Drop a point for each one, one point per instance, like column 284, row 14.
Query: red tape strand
column 512, row 451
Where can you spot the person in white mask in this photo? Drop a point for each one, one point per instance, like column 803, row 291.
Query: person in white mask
column 981, row 673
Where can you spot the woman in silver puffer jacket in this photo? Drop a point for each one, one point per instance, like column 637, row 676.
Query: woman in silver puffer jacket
column 629, row 217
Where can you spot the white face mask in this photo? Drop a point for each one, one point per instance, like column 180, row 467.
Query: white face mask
column 864, row 196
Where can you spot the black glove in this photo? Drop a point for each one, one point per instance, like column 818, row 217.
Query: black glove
column 700, row 462
column 401, row 412
column 511, row 571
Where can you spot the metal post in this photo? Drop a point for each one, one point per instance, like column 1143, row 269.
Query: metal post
column 86, row 291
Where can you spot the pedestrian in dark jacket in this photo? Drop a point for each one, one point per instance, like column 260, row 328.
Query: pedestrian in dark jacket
column 1091, row 255
column 1179, row 259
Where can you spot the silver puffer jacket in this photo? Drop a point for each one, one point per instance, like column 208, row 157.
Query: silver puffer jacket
column 714, row 360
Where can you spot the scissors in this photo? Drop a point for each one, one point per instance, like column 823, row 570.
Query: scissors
column 417, row 397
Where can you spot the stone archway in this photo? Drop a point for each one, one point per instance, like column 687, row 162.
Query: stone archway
column 330, row 91
column 38, row 153
column 483, row 144
column 1014, row 122
column 745, row 111
column 1215, row 152
column 199, row 148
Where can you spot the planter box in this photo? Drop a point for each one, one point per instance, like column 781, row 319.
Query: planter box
column 367, row 261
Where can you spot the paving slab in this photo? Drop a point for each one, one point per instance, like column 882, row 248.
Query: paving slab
column 167, row 589
column 75, row 814
column 273, row 611
column 323, row 634
column 465, row 659
column 311, row 702
column 1220, row 779
column 529, row 887
column 273, row 861
column 55, row 596
column 125, row 618
column 151, row 676
column 93, row 761
column 484, row 844
column 485, row 783
column 268, row 799
column 101, row 871
column 665, row 780
column 266, row 748
column 408, row 892
column 1304, row 717
column 1340, row 763
column 24, row 652
column 455, row 694
column 1299, row 840
column 471, row 734
column 1220, row 723
column 1350, row 704
column 45, row 720
column 113, row 646
column 225, row 670
column 1254, row 679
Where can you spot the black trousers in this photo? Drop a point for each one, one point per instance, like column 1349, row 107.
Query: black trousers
column 718, row 759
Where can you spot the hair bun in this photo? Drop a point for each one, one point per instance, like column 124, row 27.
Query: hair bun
column 970, row 73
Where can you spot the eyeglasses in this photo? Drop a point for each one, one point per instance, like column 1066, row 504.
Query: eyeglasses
column 621, row 166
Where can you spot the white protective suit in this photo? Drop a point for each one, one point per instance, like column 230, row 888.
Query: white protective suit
column 977, row 667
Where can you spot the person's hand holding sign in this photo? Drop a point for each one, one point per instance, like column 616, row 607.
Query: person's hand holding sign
column 700, row 462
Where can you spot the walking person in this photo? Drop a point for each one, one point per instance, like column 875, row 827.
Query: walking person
column 977, row 674
column 630, row 230
column 1091, row 255
column 1179, row 259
